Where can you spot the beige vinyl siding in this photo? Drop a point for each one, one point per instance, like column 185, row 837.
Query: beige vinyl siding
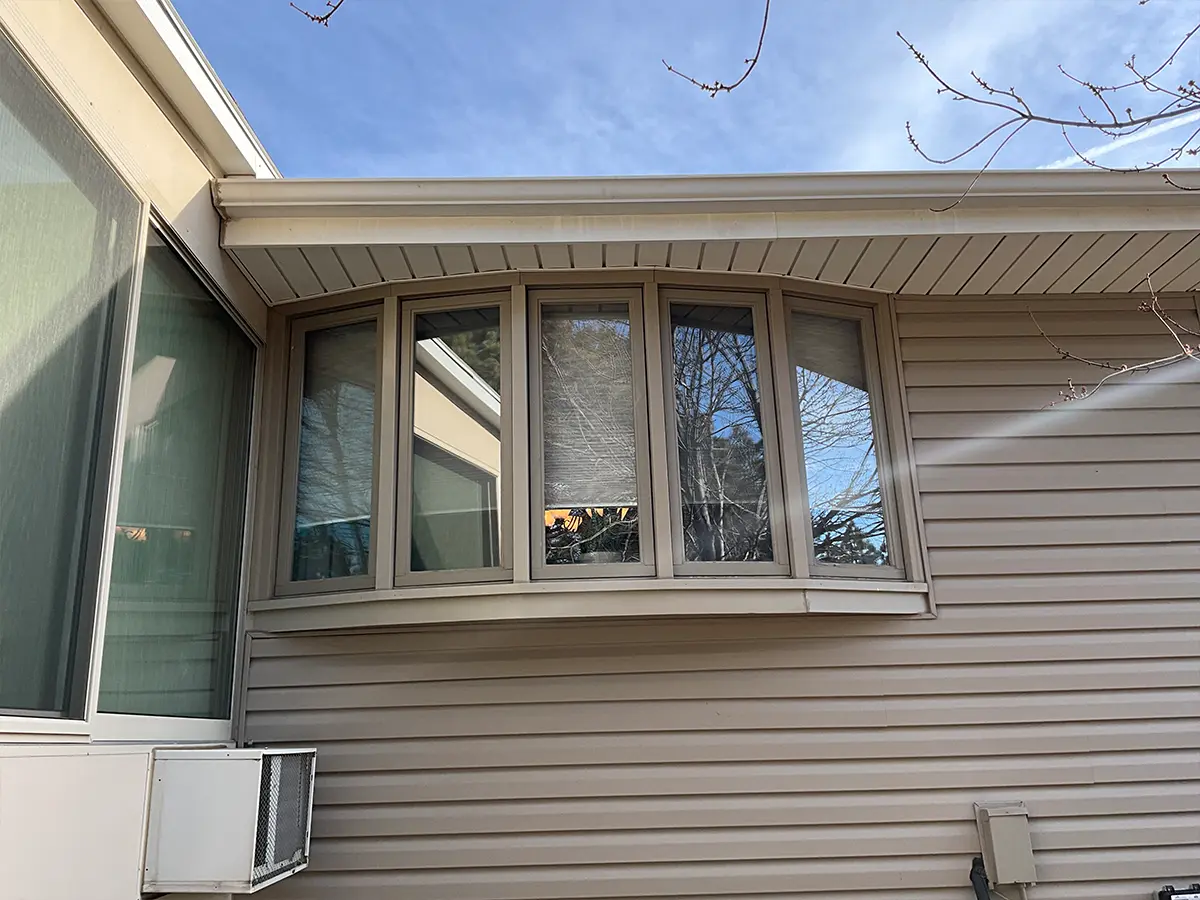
column 823, row 757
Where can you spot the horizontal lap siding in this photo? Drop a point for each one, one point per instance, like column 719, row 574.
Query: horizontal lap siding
column 815, row 758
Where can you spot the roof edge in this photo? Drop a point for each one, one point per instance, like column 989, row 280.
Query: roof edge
column 919, row 191
column 164, row 46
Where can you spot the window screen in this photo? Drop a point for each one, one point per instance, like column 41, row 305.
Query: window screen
column 68, row 230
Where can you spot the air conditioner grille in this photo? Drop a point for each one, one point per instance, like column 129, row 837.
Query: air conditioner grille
column 283, row 805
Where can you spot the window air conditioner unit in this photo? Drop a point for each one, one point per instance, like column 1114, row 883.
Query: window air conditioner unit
column 228, row 821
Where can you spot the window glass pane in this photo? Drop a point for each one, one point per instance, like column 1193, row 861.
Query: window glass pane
column 336, row 479
column 456, row 441
column 718, row 418
column 67, row 245
column 839, row 441
column 173, row 595
column 589, row 451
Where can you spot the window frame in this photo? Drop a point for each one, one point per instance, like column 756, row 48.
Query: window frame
column 713, row 586
column 537, row 300
column 401, row 448
column 865, row 318
column 104, row 726
column 81, row 722
column 781, row 539
column 298, row 332
column 89, row 589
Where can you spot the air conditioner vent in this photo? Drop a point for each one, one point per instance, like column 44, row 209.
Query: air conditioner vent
column 284, row 801
column 228, row 821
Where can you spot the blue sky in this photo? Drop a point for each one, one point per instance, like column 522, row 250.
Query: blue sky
column 424, row 88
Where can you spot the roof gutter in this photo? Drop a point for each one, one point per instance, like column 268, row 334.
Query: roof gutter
column 918, row 192
column 166, row 49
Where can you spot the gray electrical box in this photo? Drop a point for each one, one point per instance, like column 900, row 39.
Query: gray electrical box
column 1004, row 839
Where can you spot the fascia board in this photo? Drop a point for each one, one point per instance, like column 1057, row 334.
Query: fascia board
column 163, row 45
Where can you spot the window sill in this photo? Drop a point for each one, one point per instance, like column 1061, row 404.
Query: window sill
column 616, row 598
column 43, row 730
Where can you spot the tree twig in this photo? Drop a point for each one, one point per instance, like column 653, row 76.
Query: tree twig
column 1115, row 370
column 332, row 6
column 716, row 87
column 1115, row 115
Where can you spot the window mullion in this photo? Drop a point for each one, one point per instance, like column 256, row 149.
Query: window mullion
column 791, row 439
column 387, row 503
column 777, row 496
column 520, row 517
column 91, row 657
column 659, row 432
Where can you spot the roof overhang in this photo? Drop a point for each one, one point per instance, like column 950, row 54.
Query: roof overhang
column 166, row 49
column 939, row 232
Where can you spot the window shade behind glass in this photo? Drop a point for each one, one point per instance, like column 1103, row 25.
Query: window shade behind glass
column 336, row 479
column 68, row 229
column 173, row 595
column 589, row 447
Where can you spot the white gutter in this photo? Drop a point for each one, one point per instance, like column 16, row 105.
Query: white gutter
column 166, row 49
column 691, row 195
column 460, row 379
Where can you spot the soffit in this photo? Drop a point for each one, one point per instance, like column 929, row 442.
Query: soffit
column 1022, row 233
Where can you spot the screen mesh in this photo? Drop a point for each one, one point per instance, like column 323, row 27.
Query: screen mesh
column 283, row 809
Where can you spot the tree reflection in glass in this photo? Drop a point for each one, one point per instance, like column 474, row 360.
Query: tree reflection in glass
column 718, row 420
column 839, row 441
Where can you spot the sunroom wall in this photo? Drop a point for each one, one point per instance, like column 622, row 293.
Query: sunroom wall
column 96, row 77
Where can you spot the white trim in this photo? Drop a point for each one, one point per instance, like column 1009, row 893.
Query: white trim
column 164, row 46
column 160, row 729
column 460, row 378
column 43, row 728
column 299, row 229
column 692, row 194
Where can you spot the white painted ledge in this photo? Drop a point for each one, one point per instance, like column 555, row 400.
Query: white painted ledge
column 616, row 598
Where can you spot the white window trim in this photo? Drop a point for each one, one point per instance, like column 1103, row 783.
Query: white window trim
column 397, row 444
column 539, row 300
column 113, row 726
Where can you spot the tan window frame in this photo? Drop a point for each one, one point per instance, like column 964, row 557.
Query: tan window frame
column 396, row 449
column 539, row 300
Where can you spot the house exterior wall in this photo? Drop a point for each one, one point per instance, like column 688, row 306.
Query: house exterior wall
column 73, row 809
column 76, row 51
column 821, row 757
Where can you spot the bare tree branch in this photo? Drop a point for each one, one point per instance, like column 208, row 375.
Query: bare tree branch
column 1116, row 112
column 332, row 6
column 1116, row 370
column 717, row 87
